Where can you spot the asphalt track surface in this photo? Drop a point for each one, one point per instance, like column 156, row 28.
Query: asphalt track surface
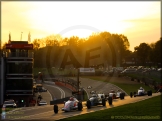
column 58, row 92
column 46, row 112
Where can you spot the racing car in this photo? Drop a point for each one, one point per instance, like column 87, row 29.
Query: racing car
column 72, row 104
column 141, row 92
column 116, row 95
column 96, row 99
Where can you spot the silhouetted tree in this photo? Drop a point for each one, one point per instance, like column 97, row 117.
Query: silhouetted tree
column 143, row 51
column 157, row 51
column 36, row 44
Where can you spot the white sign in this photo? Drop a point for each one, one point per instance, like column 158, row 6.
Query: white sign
column 92, row 70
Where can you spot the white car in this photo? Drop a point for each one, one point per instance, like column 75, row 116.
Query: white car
column 159, row 69
column 10, row 103
column 72, row 104
column 112, row 94
column 42, row 102
column 142, row 92
column 96, row 99
column 116, row 95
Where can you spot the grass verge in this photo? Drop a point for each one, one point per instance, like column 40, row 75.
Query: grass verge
column 126, row 87
column 6, row 109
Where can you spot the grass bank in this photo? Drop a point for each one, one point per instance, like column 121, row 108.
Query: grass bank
column 127, row 87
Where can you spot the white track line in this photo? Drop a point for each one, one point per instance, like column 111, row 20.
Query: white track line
column 49, row 94
column 62, row 92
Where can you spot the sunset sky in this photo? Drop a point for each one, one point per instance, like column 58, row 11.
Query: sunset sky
column 139, row 21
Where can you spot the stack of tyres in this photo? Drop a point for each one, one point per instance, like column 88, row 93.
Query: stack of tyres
column 131, row 94
column 149, row 93
column 103, row 102
column 80, row 106
column 110, row 100
column 122, row 96
column 134, row 94
column 88, row 104
column 55, row 109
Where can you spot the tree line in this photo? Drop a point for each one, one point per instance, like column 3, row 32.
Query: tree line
column 149, row 53
column 55, row 44
column 117, row 46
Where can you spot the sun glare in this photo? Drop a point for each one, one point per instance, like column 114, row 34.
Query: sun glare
column 77, row 18
column 52, row 19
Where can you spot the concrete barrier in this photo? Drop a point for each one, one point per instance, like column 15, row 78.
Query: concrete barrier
column 49, row 82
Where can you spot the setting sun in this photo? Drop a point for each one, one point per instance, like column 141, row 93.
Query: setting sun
column 81, row 19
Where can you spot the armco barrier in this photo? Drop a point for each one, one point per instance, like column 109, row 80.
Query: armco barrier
column 66, row 85
column 61, row 84
column 49, row 82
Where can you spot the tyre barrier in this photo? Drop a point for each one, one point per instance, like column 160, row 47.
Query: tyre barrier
column 88, row 104
column 110, row 100
column 103, row 102
column 134, row 94
column 131, row 94
column 149, row 93
column 80, row 106
column 55, row 109
column 122, row 95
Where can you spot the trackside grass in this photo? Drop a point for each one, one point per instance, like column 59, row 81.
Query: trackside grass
column 132, row 87
column 146, row 109
column 125, row 86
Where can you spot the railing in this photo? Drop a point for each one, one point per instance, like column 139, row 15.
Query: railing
column 19, row 54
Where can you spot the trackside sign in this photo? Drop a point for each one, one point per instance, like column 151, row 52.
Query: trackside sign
column 91, row 70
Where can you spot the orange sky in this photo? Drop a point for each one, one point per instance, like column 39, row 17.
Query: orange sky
column 139, row 21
